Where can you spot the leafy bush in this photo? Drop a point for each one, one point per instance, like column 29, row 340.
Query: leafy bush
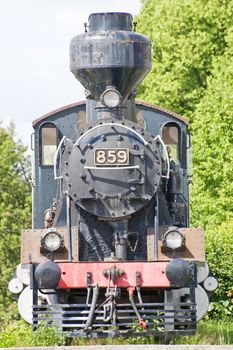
column 219, row 244
column 20, row 334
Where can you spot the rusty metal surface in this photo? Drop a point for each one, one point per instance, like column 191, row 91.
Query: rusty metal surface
column 30, row 246
column 194, row 245
column 150, row 244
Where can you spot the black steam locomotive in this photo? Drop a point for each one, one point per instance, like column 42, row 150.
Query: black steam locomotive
column 111, row 251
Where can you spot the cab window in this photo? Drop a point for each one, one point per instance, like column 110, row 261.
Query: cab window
column 48, row 137
column 171, row 138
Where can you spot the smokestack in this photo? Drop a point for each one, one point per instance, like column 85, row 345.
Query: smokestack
column 110, row 54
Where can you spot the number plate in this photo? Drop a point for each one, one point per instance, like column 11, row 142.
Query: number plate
column 111, row 156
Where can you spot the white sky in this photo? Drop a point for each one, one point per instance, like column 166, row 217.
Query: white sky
column 34, row 58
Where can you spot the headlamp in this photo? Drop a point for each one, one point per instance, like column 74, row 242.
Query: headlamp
column 52, row 240
column 111, row 98
column 173, row 239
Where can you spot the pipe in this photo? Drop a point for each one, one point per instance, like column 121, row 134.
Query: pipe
column 156, row 228
column 92, row 309
column 68, row 219
column 141, row 322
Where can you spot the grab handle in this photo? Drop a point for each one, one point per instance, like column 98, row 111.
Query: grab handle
column 159, row 138
column 56, row 158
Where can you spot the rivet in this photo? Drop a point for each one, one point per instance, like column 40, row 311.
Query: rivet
column 66, row 163
column 89, row 146
column 120, row 138
column 82, row 160
column 103, row 137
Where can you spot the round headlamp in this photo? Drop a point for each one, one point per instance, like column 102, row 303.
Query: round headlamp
column 173, row 239
column 52, row 240
column 111, row 98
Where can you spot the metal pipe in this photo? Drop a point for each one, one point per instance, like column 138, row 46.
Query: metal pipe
column 141, row 322
column 92, row 309
column 68, row 220
column 156, row 228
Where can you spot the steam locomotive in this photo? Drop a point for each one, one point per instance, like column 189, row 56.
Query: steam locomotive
column 111, row 251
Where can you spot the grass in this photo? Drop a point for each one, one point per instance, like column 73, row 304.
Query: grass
column 209, row 332
column 19, row 333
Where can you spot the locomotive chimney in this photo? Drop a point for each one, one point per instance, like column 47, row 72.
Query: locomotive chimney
column 109, row 57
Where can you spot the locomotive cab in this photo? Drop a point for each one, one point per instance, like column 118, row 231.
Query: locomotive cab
column 111, row 245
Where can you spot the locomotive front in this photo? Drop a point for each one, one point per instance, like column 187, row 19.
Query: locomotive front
column 116, row 256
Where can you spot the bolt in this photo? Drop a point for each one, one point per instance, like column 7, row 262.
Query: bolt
column 67, row 174
column 83, row 176
column 120, row 138
column 75, row 194
column 89, row 146
column 133, row 189
column 103, row 137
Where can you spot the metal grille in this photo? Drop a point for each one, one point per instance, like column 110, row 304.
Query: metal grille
column 161, row 319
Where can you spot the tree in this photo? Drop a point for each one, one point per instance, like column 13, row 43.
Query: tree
column 213, row 144
column 186, row 38
column 14, row 205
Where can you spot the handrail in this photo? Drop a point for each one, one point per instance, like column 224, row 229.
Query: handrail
column 56, row 158
column 159, row 138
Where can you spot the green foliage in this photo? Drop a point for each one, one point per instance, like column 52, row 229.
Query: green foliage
column 213, row 145
column 186, row 37
column 219, row 244
column 192, row 75
column 14, row 206
column 20, row 334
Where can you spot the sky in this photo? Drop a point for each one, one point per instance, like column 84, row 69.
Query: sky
column 34, row 60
